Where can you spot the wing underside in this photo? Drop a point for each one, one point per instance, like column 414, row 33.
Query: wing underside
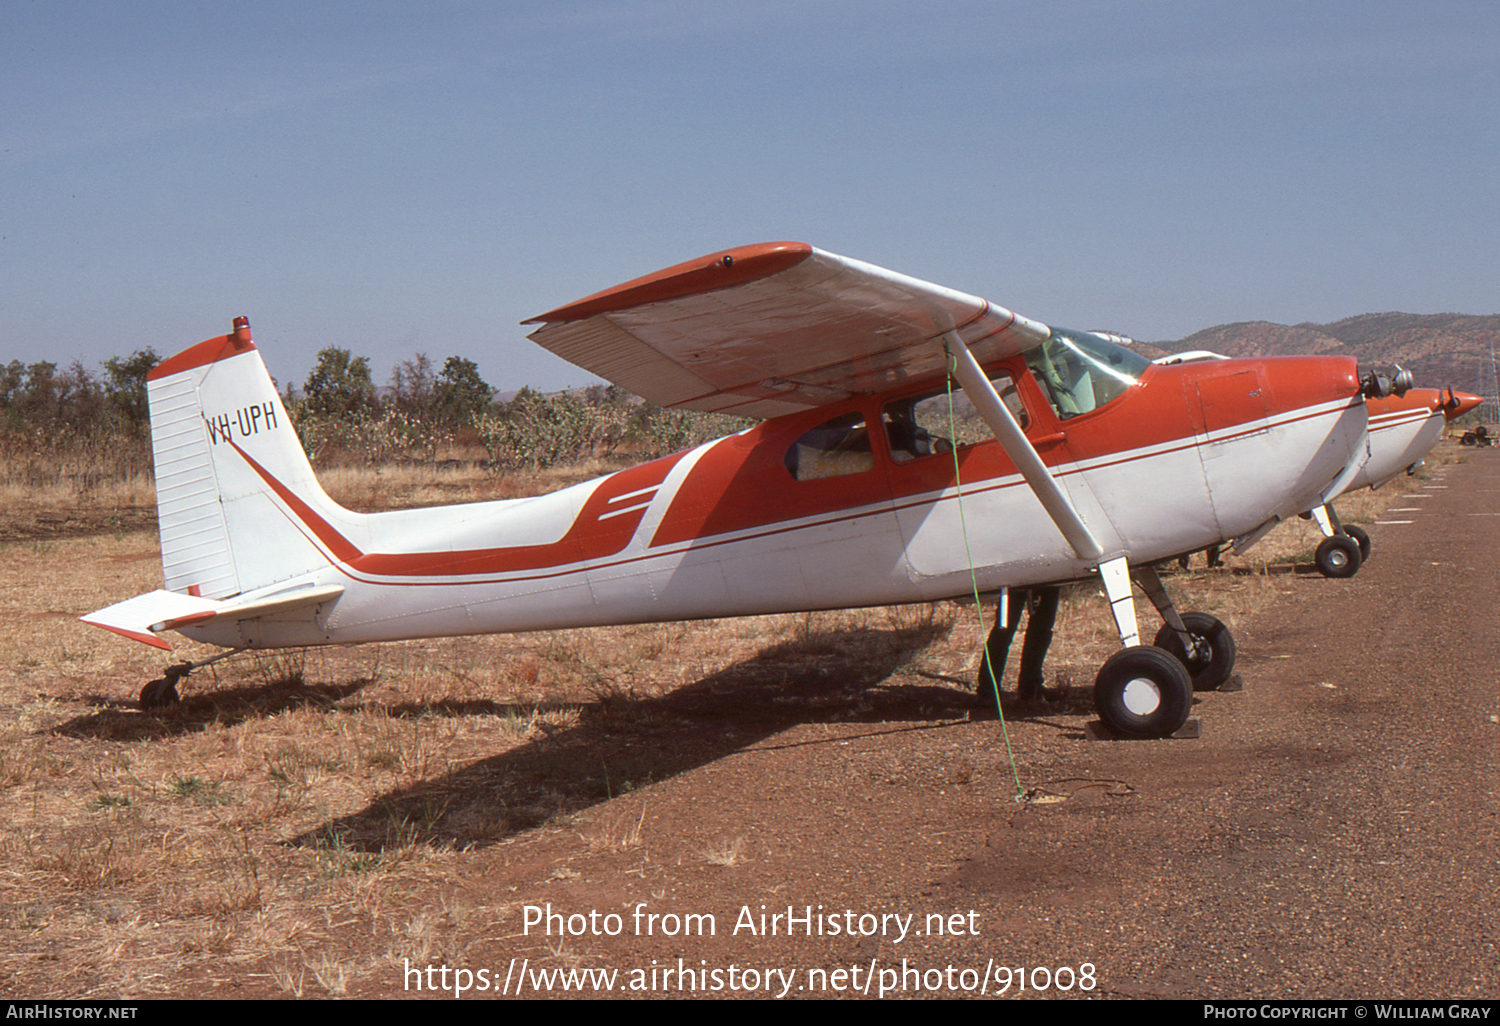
column 774, row 328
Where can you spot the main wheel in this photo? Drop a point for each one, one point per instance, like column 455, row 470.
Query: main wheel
column 1362, row 539
column 1143, row 692
column 1338, row 556
column 1212, row 659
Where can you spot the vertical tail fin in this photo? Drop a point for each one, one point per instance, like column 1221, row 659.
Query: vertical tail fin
column 237, row 502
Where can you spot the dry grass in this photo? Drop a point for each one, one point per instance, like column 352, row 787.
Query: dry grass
column 303, row 822
column 299, row 806
column 726, row 852
column 69, row 505
column 63, row 495
column 426, row 484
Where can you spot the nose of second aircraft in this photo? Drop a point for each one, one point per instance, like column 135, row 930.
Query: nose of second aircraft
column 1456, row 404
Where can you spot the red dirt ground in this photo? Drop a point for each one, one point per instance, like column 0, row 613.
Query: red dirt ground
column 1332, row 833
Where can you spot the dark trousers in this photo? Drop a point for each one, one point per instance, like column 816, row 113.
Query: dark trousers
column 1043, row 601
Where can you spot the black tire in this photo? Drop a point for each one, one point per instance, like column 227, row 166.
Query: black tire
column 1338, row 556
column 1362, row 539
column 1143, row 692
column 1467, row 439
column 1212, row 661
column 160, row 693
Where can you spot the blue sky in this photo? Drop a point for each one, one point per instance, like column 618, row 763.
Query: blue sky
column 404, row 177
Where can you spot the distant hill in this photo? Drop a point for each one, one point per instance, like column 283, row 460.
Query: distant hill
column 1441, row 350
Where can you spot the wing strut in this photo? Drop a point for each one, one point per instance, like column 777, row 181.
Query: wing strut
column 1021, row 452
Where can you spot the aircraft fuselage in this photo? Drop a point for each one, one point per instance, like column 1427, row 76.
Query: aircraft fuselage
column 776, row 519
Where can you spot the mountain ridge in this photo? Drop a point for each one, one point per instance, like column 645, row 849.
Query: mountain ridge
column 1441, row 350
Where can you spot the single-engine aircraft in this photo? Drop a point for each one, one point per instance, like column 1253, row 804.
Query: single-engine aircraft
column 1403, row 428
column 1096, row 464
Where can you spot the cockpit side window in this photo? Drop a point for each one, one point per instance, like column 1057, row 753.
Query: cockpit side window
column 1080, row 371
column 921, row 425
column 832, row 449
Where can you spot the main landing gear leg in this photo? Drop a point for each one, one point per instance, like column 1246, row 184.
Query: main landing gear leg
column 162, row 692
column 1141, row 691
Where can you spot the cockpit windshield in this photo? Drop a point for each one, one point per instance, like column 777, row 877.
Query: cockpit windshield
column 1080, row 371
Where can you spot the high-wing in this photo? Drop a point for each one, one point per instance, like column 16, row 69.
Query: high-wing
column 774, row 328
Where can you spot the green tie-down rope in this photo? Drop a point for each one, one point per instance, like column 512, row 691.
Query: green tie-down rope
column 974, row 585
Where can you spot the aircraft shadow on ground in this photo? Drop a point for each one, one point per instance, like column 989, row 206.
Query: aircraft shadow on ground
column 621, row 742
column 226, row 706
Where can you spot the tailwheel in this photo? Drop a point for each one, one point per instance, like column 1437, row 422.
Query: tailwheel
column 1338, row 556
column 151, row 695
column 162, row 692
column 1143, row 691
column 1211, row 660
column 1362, row 539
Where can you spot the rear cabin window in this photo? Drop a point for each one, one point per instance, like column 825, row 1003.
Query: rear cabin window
column 832, row 449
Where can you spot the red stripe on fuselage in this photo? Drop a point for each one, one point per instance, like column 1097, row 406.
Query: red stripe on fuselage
column 597, row 532
column 340, row 547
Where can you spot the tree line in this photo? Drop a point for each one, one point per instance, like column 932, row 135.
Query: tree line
column 75, row 421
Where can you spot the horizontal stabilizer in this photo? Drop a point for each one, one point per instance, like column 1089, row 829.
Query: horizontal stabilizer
column 145, row 616
column 136, row 618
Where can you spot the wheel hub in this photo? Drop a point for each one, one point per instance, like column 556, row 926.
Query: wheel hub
column 1142, row 697
column 1199, row 652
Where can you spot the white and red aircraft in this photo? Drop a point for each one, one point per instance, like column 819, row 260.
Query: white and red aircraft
column 1100, row 465
column 1403, row 428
